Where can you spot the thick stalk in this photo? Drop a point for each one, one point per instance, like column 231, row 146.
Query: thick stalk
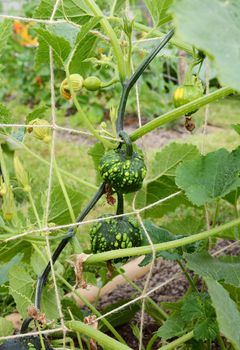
column 120, row 253
column 112, row 36
column 104, row 340
column 180, row 111
column 177, row 342
column 120, row 204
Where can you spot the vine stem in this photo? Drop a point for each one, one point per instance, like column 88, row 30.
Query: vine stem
column 128, row 85
column 43, row 277
column 177, row 342
column 112, row 36
column 180, row 111
column 104, row 340
column 120, row 253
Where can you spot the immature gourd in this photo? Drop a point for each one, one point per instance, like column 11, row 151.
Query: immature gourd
column 115, row 233
column 92, row 83
column 123, row 171
column 188, row 92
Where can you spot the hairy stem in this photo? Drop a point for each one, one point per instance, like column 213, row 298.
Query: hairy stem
column 120, row 253
column 104, row 340
column 112, row 36
column 180, row 111
column 94, row 310
column 177, row 342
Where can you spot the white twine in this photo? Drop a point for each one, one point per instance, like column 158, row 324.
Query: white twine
column 87, row 222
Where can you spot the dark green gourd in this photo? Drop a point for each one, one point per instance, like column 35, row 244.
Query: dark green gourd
column 124, row 172
column 115, row 233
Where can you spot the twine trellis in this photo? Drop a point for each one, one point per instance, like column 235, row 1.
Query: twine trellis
column 49, row 229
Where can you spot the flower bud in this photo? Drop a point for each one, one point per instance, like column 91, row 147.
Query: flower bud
column 76, row 82
column 3, row 187
column 8, row 206
column 40, row 133
column 21, row 175
column 92, row 83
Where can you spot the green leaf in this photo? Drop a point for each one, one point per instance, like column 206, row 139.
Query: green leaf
column 49, row 303
column 202, row 22
column 209, row 177
column 158, row 235
column 188, row 225
column 158, row 9
column 236, row 127
column 61, row 48
column 70, row 304
column 174, row 326
column 85, row 43
column 21, row 288
column 59, row 213
column 6, row 327
column 39, row 112
column 96, row 152
column 220, row 269
column 197, row 308
column 5, row 33
column 4, row 269
column 121, row 317
column 5, row 115
column 167, row 160
column 75, row 10
column 228, row 316
column 158, row 189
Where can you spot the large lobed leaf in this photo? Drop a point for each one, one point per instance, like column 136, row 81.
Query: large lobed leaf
column 209, row 177
column 74, row 10
column 162, row 184
column 221, row 269
column 228, row 316
column 214, row 27
column 158, row 10
column 68, row 44
column 21, row 288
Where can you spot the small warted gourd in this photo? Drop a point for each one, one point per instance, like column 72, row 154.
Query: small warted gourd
column 187, row 93
column 115, row 233
column 124, row 170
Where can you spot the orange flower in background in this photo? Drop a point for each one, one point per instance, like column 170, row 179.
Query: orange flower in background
column 22, row 31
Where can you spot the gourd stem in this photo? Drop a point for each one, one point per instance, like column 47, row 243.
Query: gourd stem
column 120, row 205
column 43, row 278
column 127, row 86
column 128, row 143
